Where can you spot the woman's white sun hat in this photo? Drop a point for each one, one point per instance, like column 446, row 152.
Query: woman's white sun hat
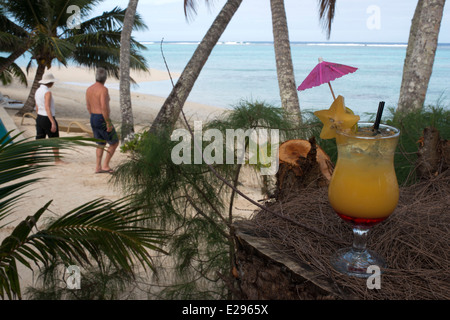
column 48, row 78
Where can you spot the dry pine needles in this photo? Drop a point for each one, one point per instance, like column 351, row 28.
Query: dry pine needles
column 415, row 240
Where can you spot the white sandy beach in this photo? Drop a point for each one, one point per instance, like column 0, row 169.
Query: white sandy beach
column 70, row 98
column 75, row 182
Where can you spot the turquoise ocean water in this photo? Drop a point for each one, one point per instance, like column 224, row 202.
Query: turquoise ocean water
column 247, row 70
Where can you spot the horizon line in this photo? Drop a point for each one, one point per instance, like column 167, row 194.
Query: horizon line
column 292, row 41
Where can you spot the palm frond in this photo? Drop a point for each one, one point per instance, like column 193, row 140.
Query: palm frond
column 11, row 250
column 92, row 232
column 42, row 26
column 9, row 42
column 107, row 57
column 21, row 158
column 8, row 25
column 190, row 8
column 82, row 236
column 11, row 73
column 111, row 21
column 326, row 14
column 12, row 36
column 100, row 226
column 27, row 14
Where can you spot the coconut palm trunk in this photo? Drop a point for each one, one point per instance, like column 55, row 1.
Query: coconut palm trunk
column 30, row 103
column 171, row 109
column 283, row 57
column 422, row 45
column 125, row 94
column 11, row 58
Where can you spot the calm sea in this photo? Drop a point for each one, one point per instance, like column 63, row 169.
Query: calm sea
column 246, row 70
column 236, row 71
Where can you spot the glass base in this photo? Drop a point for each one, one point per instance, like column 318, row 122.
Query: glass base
column 355, row 263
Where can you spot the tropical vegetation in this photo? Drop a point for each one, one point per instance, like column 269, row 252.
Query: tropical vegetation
column 102, row 233
column 412, row 125
column 193, row 204
column 171, row 109
column 64, row 32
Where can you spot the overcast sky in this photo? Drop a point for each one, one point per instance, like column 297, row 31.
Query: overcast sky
column 355, row 20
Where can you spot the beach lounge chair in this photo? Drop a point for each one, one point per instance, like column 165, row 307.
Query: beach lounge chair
column 28, row 115
column 6, row 102
column 79, row 127
column 74, row 126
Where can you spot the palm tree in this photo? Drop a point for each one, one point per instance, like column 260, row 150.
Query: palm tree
column 170, row 111
column 125, row 95
column 13, row 71
column 99, row 231
column 13, row 41
column 96, row 43
column 422, row 45
column 193, row 204
column 283, row 57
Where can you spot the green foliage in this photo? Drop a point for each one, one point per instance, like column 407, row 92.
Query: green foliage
column 181, row 199
column 107, row 283
column 312, row 127
column 411, row 125
column 100, row 231
column 41, row 27
column 193, row 204
column 133, row 144
column 11, row 73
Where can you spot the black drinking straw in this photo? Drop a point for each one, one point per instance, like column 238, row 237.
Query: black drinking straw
column 378, row 118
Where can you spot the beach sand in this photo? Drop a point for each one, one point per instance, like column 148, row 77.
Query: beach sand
column 70, row 97
column 75, row 183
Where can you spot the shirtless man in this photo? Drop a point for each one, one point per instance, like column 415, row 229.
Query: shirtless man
column 97, row 102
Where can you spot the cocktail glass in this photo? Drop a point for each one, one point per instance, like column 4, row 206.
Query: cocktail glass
column 363, row 191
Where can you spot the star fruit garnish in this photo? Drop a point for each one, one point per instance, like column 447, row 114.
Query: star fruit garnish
column 337, row 117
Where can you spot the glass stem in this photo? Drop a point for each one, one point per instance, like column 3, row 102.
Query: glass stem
column 360, row 235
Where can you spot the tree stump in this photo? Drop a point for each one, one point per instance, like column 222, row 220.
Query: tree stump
column 433, row 156
column 266, row 273
column 302, row 163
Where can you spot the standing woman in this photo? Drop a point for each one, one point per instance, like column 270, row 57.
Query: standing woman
column 46, row 124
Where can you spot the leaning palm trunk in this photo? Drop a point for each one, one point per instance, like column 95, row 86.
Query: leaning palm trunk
column 30, row 103
column 170, row 111
column 11, row 58
column 125, row 95
column 283, row 57
column 420, row 54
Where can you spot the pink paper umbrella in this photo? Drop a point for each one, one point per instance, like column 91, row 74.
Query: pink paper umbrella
column 325, row 72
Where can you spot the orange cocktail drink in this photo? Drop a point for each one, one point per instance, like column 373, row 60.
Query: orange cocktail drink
column 364, row 189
